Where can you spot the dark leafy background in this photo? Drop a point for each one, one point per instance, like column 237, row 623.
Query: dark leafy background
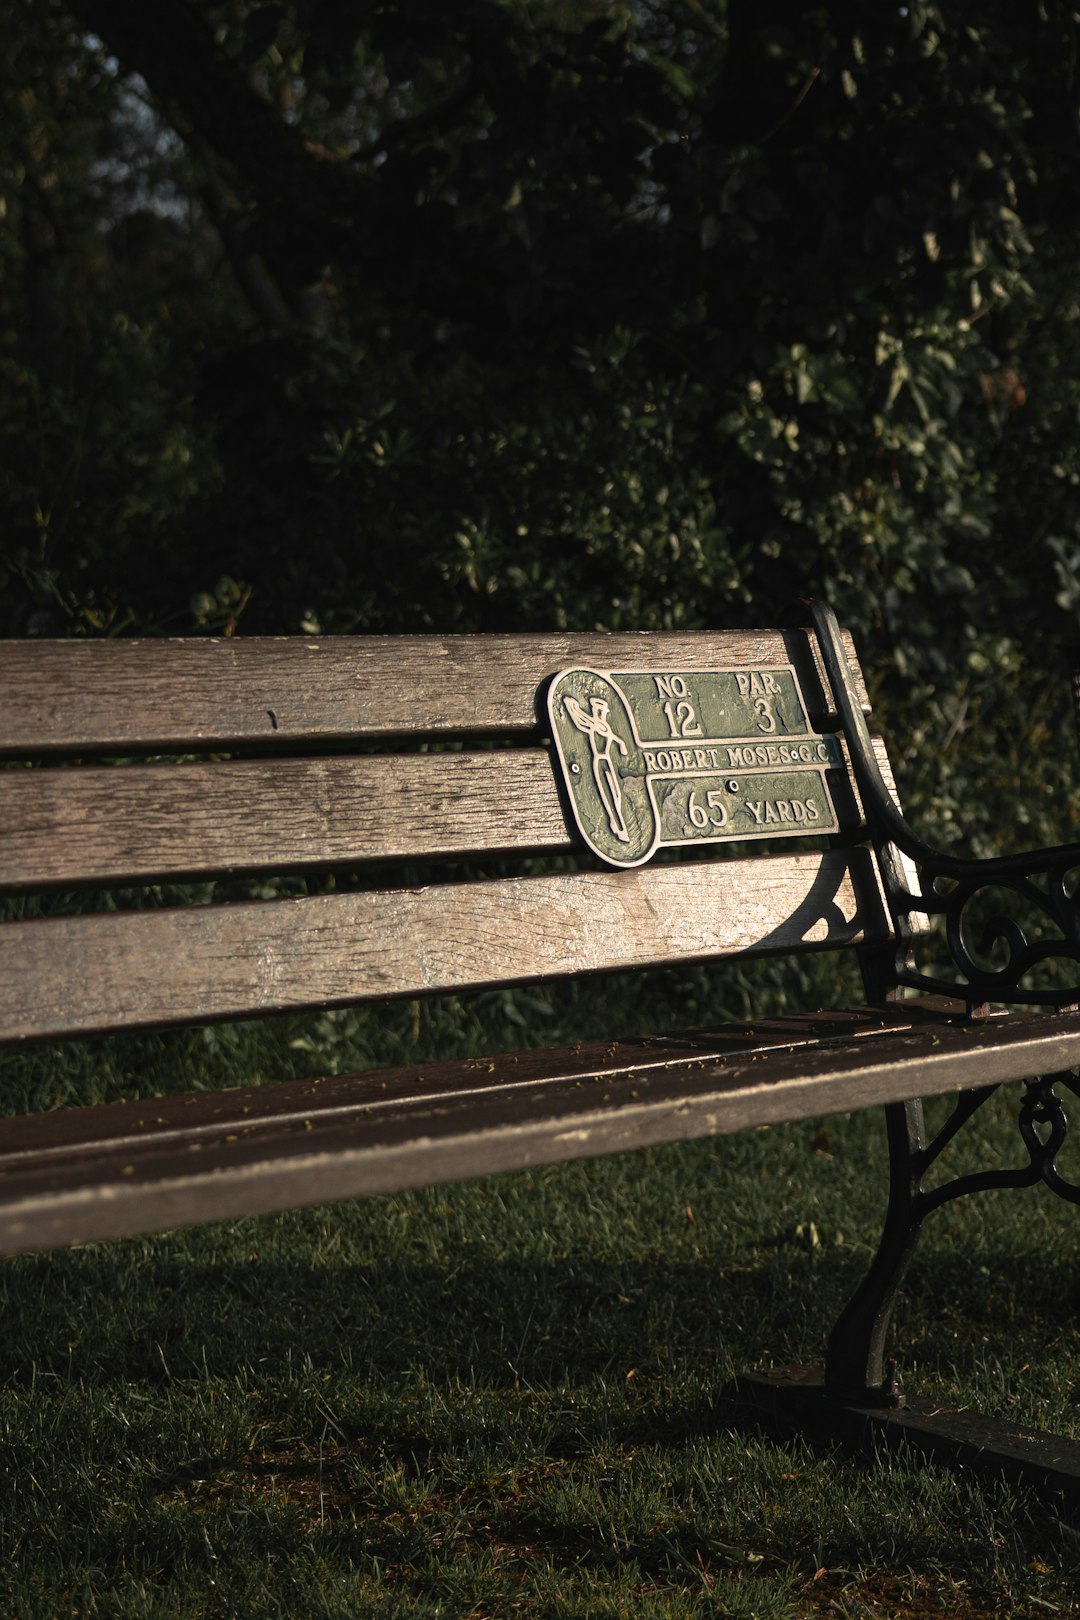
column 349, row 315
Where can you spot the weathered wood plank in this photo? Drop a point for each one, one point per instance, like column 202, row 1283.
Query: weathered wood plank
column 65, row 976
column 139, row 1167
column 143, row 822
column 220, row 693
column 153, row 821
column 183, row 1118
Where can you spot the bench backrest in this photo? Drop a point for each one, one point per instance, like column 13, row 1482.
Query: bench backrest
column 306, row 755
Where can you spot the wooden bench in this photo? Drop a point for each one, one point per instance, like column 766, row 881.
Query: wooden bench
column 707, row 796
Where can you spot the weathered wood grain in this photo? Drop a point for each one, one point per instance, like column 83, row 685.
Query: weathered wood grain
column 117, row 696
column 153, row 821
column 143, row 822
column 118, row 1126
column 148, row 1166
column 65, row 976
column 139, row 1167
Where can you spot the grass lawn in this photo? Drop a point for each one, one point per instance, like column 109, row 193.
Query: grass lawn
column 499, row 1397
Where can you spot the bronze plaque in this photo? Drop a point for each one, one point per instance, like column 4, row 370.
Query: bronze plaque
column 689, row 757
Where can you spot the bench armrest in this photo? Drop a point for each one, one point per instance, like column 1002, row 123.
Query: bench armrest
column 949, row 886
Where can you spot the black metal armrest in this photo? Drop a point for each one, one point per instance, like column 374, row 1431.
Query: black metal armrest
column 935, row 884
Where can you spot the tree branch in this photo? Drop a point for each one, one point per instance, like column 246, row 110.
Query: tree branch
column 301, row 196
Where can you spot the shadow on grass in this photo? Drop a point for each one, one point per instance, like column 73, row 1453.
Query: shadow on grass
column 155, row 1315
column 97, row 1315
column 470, row 1425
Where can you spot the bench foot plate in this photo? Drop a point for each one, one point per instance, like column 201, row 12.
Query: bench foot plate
column 793, row 1400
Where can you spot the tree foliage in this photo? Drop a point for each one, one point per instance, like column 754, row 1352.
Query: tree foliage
column 345, row 316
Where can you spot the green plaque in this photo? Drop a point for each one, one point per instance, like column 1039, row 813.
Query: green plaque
column 689, row 757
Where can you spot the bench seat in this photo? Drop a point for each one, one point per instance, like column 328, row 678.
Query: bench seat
column 85, row 1173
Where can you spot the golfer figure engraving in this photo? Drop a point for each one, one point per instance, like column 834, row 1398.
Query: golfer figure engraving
column 602, row 739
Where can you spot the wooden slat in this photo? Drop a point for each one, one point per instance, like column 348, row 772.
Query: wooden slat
column 73, row 975
column 138, row 1167
column 153, row 821
column 187, row 1117
column 142, row 822
column 213, row 693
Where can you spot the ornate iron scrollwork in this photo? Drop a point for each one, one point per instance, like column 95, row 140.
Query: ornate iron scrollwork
column 1043, row 1107
column 1004, row 919
column 1043, row 1125
column 854, row 1363
column 993, row 955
